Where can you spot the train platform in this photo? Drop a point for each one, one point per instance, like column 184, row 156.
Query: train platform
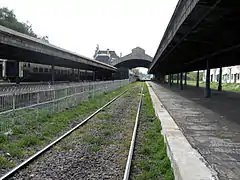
column 211, row 125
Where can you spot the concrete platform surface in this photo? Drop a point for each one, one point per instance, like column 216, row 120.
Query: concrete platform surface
column 211, row 126
column 187, row 163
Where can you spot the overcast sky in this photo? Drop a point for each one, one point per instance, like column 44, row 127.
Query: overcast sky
column 79, row 25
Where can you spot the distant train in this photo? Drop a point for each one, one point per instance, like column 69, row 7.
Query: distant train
column 32, row 72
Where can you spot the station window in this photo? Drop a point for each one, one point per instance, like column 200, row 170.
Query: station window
column 35, row 69
column 45, row 69
column 40, row 69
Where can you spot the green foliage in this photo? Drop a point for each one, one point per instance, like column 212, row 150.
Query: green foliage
column 3, row 138
column 9, row 20
column 193, row 76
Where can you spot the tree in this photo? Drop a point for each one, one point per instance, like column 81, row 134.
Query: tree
column 9, row 20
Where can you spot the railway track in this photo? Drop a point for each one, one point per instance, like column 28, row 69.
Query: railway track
column 33, row 158
column 131, row 150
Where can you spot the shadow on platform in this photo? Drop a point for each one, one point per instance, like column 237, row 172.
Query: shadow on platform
column 224, row 103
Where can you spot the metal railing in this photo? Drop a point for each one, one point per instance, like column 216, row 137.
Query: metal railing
column 17, row 105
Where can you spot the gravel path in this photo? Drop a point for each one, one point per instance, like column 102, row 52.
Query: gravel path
column 98, row 150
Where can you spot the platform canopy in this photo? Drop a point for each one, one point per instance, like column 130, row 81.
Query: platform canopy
column 21, row 47
column 200, row 31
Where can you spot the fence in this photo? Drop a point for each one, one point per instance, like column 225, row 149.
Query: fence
column 17, row 105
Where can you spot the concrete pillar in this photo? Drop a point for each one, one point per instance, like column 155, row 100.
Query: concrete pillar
column 197, row 83
column 207, row 88
column 181, row 81
column 185, row 78
column 53, row 73
column 220, row 80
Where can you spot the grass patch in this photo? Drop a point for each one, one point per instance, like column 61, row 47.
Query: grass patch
column 104, row 116
column 153, row 162
column 3, row 138
column 14, row 150
column 234, row 87
column 27, row 141
column 5, row 163
column 94, row 148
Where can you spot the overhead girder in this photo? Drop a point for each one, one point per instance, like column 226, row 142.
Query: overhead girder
column 134, row 63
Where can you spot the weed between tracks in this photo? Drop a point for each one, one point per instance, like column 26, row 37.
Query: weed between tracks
column 150, row 156
column 29, row 135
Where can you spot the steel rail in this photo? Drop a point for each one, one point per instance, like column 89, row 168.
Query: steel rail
column 130, row 154
column 27, row 161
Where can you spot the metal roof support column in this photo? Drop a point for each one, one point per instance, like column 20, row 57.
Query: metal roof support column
column 181, row 81
column 112, row 78
column 78, row 74
column 85, row 78
column 53, row 73
column 170, row 80
column 94, row 77
column 207, row 88
column 17, row 72
column 177, row 78
column 197, row 83
column 220, row 80
column 185, row 78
